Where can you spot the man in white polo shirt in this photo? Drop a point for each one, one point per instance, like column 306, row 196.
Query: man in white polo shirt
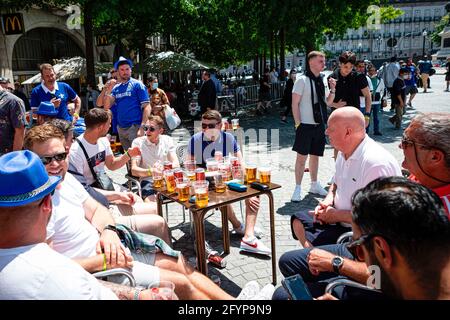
column 155, row 147
column 360, row 160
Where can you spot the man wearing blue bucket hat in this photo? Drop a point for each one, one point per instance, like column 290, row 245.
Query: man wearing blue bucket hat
column 132, row 103
column 29, row 269
column 46, row 112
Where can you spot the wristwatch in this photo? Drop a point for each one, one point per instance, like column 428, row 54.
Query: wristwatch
column 337, row 263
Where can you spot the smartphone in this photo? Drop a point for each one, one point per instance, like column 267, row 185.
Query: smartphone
column 296, row 288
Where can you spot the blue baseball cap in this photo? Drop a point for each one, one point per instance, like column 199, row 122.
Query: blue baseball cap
column 46, row 108
column 24, row 179
column 121, row 61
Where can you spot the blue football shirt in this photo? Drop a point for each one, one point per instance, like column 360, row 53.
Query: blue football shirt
column 129, row 97
column 62, row 91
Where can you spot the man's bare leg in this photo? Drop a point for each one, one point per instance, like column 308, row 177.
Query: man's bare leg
column 189, row 283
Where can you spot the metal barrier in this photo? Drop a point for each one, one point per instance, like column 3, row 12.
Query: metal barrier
column 243, row 97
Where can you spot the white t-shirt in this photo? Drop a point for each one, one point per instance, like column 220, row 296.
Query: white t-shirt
column 71, row 234
column 150, row 152
column 368, row 162
column 97, row 155
column 37, row 272
column 302, row 87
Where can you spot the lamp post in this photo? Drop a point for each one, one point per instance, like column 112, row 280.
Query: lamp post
column 359, row 49
column 424, row 34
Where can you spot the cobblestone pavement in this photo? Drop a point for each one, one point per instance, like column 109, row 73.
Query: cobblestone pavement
column 273, row 147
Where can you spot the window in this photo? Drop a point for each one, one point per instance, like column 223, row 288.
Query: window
column 417, row 27
column 416, row 43
column 417, row 13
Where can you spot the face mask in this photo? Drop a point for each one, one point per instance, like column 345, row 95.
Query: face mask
column 155, row 86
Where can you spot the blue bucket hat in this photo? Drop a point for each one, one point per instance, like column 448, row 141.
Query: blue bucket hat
column 46, row 108
column 122, row 61
column 24, row 179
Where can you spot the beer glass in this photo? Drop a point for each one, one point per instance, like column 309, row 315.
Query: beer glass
column 250, row 173
column 163, row 290
column 183, row 188
column 212, row 165
column 219, row 180
column 201, row 193
column 170, row 181
column 264, row 174
column 235, row 123
column 158, row 180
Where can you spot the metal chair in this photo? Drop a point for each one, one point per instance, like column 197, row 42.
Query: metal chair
column 115, row 272
column 345, row 237
column 365, row 292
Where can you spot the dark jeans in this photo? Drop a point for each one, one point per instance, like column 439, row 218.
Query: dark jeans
column 295, row 262
column 375, row 113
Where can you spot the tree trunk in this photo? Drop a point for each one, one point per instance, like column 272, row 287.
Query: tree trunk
column 143, row 53
column 261, row 65
column 282, row 51
column 89, row 43
column 271, row 50
column 256, row 63
column 264, row 61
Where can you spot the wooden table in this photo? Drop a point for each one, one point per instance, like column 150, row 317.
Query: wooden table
column 220, row 200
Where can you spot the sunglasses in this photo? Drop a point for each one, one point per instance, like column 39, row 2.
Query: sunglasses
column 209, row 125
column 58, row 157
column 405, row 142
column 148, row 128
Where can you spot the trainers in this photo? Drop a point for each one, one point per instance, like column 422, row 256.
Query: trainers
column 250, row 290
column 297, row 195
column 265, row 293
column 254, row 245
column 318, row 189
column 241, row 231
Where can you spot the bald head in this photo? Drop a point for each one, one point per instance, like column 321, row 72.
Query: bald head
column 349, row 117
column 346, row 129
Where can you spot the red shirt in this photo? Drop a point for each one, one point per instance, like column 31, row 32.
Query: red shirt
column 443, row 192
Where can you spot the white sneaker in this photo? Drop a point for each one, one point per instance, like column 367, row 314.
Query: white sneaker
column 317, row 188
column 241, row 231
column 265, row 293
column 250, row 290
column 255, row 246
column 297, row 195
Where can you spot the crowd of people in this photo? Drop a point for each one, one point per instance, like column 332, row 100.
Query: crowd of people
column 62, row 215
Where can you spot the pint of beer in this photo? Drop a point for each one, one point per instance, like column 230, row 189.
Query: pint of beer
column 170, row 180
column 201, row 193
column 250, row 173
column 158, row 179
column 183, row 189
column 219, row 180
column 264, row 174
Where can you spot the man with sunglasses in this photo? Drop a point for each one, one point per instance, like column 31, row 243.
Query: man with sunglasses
column 83, row 230
column 126, row 207
column 426, row 148
column 202, row 146
column 156, row 148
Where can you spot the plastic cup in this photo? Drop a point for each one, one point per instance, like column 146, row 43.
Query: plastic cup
column 218, row 155
column 201, row 193
column 219, row 181
column 183, row 188
column 264, row 174
column 158, row 178
column 226, row 167
column 212, row 165
column 235, row 123
column 170, row 180
column 238, row 174
column 163, row 290
column 190, row 175
column 250, row 173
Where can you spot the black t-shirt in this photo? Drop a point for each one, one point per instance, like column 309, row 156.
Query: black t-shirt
column 448, row 68
column 398, row 88
column 349, row 88
column 263, row 87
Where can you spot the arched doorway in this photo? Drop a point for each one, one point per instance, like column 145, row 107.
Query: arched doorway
column 41, row 45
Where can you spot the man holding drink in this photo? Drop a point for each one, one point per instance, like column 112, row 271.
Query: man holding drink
column 204, row 145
